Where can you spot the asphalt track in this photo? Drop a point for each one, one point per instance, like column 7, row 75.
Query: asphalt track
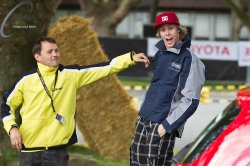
column 206, row 111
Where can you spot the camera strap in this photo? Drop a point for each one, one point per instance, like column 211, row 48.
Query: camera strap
column 46, row 89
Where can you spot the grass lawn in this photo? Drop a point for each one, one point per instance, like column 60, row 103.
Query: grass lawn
column 100, row 161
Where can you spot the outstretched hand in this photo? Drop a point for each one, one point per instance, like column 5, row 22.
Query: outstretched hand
column 141, row 57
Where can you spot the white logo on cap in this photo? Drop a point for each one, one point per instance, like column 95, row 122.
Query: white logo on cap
column 164, row 18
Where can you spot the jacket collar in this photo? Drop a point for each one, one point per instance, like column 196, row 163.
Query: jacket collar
column 186, row 43
column 46, row 70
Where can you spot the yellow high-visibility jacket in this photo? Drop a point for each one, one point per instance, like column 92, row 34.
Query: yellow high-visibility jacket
column 39, row 128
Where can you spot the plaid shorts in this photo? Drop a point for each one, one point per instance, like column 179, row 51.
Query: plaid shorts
column 148, row 148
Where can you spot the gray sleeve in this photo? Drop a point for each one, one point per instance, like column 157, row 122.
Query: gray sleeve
column 187, row 95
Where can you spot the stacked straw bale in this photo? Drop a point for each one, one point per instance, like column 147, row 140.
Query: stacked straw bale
column 105, row 113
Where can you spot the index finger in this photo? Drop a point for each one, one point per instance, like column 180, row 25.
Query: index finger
column 19, row 144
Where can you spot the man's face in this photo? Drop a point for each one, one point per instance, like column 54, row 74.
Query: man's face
column 169, row 34
column 49, row 55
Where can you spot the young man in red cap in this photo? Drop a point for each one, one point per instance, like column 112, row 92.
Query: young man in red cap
column 173, row 95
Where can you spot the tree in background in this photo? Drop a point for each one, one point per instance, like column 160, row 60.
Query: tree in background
column 21, row 23
column 153, row 10
column 240, row 16
column 240, row 10
column 107, row 13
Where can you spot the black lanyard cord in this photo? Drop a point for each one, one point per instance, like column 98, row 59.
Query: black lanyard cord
column 46, row 89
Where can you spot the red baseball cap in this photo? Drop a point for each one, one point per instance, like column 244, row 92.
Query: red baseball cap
column 166, row 18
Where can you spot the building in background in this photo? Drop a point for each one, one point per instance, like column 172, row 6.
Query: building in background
column 206, row 20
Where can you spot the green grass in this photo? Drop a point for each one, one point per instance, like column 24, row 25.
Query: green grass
column 9, row 155
column 100, row 161
column 208, row 82
column 133, row 81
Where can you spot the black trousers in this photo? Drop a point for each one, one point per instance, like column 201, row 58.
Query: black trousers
column 51, row 157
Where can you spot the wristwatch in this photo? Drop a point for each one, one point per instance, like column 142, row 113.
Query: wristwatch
column 131, row 55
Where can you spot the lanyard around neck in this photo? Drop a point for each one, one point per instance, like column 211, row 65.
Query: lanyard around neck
column 46, row 89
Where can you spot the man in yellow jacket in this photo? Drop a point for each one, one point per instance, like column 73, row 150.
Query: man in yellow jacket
column 48, row 98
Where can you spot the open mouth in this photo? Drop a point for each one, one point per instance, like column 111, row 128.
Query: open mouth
column 55, row 59
column 169, row 40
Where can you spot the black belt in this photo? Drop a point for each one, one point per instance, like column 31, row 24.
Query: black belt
column 44, row 148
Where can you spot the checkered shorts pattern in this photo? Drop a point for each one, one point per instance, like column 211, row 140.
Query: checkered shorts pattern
column 148, row 148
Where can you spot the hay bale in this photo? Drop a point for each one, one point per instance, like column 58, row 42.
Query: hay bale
column 105, row 114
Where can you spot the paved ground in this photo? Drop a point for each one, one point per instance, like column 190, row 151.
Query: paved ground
column 198, row 121
column 204, row 114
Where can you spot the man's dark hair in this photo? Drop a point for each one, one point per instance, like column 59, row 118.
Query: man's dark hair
column 38, row 44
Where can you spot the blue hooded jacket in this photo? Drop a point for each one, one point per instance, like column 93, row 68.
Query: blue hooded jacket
column 174, row 92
